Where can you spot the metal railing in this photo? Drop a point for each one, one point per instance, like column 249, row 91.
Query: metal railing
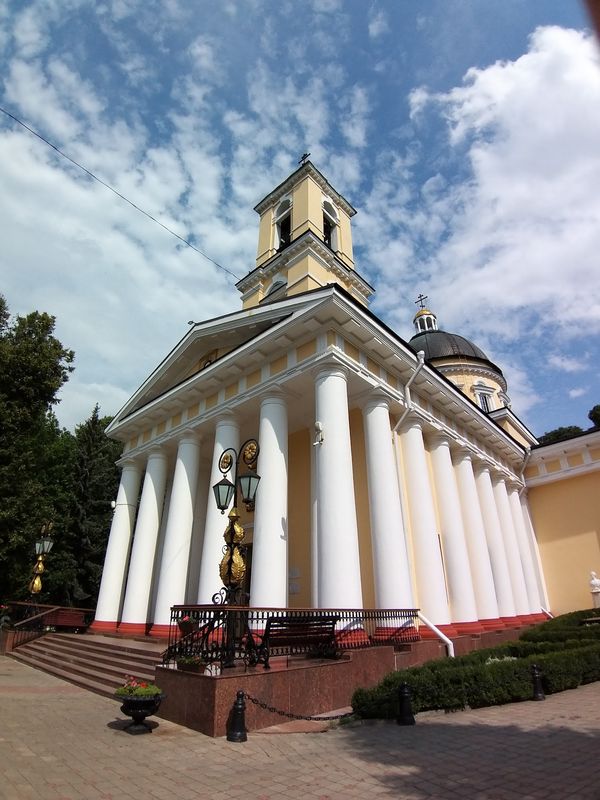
column 35, row 619
column 227, row 634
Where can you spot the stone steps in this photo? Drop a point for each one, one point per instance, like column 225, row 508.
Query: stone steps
column 97, row 663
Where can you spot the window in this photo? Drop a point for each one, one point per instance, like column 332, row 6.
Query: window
column 330, row 225
column 283, row 225
column 484, row 402
column 484, row 395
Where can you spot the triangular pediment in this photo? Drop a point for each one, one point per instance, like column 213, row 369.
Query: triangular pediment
column 204, row 347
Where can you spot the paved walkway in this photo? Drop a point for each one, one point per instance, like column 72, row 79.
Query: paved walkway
column 59, row 742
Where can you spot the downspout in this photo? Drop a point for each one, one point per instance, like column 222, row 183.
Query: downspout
column 438, row 633
column 407, row 398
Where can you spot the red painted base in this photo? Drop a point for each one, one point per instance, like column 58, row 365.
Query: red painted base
column 448, row 630
column 356, row 637
column 159, row 631
column 493, row 624
column 101, row 626
column 540, row 617
column 133, row 628
column 468, row 628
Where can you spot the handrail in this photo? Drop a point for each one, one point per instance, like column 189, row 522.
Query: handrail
column 437, row 631
column 547, row 613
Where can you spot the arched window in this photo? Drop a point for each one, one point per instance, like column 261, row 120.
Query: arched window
column 283, row 225
column 330, row 225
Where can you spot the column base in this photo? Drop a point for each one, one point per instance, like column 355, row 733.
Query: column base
column 103, row 626
column 468, row 628
column 133, row 628
column 493, row 624
column 527, row 619
column 448, row 630
column 540, row 617
column 512, row 622
column 159, row 631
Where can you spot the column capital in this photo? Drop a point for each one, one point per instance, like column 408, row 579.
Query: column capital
column 129, row 463
column 412, row 420
column 189, row 435
column 376, row 399
column 273, row 394
column 438, row 439
column 329, row 369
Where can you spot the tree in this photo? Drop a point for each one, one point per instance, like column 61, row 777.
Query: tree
column 594, row 416
column 78, row 555
column 33, row 481
column 560, row 434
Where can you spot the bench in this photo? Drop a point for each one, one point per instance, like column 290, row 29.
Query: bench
column 67, row 618
column 314, row 636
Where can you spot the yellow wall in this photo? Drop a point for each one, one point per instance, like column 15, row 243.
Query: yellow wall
column 359, row 469
column 566, row 518
column 466, row 381
column 299, row 517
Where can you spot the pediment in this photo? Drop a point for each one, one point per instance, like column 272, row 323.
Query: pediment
column 202, row 349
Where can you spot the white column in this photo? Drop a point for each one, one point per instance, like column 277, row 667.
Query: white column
column 479, row 558
column 535, row 552
column 227, row 434
column 456, row 556
column 493, row 534
column 314, row 529
column 388, row 538
column 339, row 561
column 431, row 581
column 269, row 580
column 139, row 579
column 178, row 533
column 513, row 556
column 115, row 561
column 524, row 550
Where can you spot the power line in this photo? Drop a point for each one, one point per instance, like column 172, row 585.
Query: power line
column 114, row 191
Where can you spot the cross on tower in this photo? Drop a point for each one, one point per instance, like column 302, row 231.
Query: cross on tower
column 421, row 300
column 303, row 158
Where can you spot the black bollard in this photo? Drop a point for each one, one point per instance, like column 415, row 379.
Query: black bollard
column 538, row 689
column 236, row 722
column 405, row 714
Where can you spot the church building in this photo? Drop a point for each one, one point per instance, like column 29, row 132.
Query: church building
column 391, row 471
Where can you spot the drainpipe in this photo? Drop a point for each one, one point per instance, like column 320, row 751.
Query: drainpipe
column 407, row 398
column 437, row 631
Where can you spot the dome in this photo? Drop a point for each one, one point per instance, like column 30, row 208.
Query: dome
column 440, row 344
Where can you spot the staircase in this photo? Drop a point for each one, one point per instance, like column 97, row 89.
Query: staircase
column 96, row 663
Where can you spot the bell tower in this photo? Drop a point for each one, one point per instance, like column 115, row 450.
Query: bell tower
column 304, row 241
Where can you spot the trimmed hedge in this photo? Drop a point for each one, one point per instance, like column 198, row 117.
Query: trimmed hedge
column 567, row 654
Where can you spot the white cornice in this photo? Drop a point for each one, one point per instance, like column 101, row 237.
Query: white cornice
column 307, row 169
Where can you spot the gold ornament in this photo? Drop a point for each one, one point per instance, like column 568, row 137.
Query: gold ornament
column 232, row 568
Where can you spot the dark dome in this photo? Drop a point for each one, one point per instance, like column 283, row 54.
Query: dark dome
column 439, row 344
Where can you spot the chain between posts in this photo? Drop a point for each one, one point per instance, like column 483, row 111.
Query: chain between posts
column 289, row 715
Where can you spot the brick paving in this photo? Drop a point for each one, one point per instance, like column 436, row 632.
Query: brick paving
column 60, row 742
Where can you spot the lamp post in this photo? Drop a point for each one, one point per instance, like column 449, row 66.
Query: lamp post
column 232, row 568
column 42, row 547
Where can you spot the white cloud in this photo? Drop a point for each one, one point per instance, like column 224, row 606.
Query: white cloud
column 577, row 392
column 378, row 24
column 524, row 226
column 566, row 364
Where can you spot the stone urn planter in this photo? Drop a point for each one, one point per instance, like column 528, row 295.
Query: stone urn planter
column 138, row 708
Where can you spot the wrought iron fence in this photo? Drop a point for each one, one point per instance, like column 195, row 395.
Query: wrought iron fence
column 32, row 620
column 227, row 634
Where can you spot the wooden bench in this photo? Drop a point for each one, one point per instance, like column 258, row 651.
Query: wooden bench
column 314, row 636
column 67, row 618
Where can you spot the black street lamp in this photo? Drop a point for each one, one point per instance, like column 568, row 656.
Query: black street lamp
column 42, row 547
column 232, row 568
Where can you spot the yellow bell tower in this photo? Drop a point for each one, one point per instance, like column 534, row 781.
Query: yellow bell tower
column 304, row 241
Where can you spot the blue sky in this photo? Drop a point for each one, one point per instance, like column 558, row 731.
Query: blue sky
column 465, row 133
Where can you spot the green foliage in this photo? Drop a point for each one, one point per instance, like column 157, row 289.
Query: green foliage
column 560, row 434
column 134, row 687
column 46, row 472
column 495, row 675
column 594, row 416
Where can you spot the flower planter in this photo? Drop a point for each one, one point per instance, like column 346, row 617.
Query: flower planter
column 199, row 668
column 138, row 708
column 187, row 627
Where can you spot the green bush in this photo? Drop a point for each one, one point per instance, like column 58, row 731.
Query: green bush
column 568, row 654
